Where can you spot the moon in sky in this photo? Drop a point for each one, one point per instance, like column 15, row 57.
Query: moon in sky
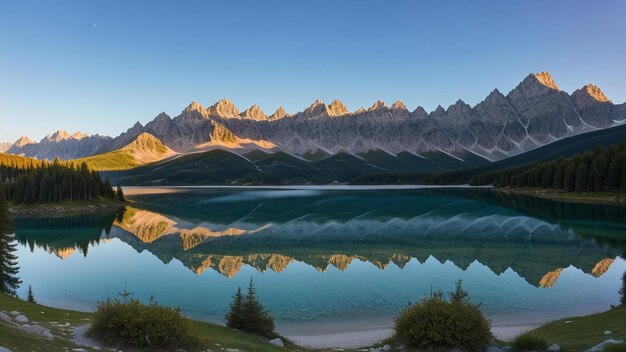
column 93, row 25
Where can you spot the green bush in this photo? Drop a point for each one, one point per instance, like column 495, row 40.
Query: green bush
column 137, row 325
column 529, row 342
column 621, row 347
column 439, row 324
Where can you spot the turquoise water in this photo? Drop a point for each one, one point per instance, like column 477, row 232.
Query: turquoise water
column 327, row 256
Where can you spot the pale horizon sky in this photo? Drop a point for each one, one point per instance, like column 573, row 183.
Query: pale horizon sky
column 98, row 67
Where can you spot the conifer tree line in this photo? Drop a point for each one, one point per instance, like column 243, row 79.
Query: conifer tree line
column 599, row 170
column 30, row 181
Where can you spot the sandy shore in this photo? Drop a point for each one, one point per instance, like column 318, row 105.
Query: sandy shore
column 354, row 334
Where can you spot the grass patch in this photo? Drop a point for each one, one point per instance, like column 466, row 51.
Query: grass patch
column 114, row 160
column 616, row 348
column 582, row 333
column 529, row 341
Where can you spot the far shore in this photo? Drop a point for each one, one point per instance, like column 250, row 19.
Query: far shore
column 66, row 208
column 601, row 198
column 136, row 190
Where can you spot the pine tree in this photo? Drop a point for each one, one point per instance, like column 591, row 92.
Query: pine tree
column 570, row 177
column 120, row 193
column 547, row 178
column 108, row 189
column 234, row 318
column 623, row 178
column 31, row 297
column 255, row 318
column 9, row 281
column 582, row 176
column 613, row 177
column 557, row 182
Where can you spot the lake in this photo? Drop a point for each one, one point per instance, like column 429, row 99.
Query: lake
column 332, row 262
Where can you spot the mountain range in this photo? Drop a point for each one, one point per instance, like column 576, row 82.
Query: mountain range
column 535, row 113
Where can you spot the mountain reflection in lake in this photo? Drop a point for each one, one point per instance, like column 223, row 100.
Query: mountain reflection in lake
column 328, row 256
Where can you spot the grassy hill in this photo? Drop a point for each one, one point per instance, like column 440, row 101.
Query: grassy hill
column 142, row 150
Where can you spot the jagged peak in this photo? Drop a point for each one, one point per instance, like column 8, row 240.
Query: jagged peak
column 22, row 141
column 596, row 93
column 137, row 125
column 439, row 110
column 316, row 103
column 420, row 112
column 544, row 78
column 79, row 135
column 337, row 108
column 494, row 95
column 162, row 116
column 194, row 106
column 379, row 104
column 223, row 108
column 254, row 112
column 459, row 109
column 399, row 105
column 359, row 110
column 63, row 134
column 459, row 105
column 279, row 113
column 318, row 107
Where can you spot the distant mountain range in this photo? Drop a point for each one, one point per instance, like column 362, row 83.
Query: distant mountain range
column 533, row 114
column 4, row 146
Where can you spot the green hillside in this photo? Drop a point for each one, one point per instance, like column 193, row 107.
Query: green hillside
column 142, row 150
column 257, row 167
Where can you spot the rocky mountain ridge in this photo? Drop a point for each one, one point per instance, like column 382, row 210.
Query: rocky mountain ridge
column 534, row 113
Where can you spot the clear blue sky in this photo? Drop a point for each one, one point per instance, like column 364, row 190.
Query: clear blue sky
column 99, row 66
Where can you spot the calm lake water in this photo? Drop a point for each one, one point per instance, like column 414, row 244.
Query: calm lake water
column 327, row 261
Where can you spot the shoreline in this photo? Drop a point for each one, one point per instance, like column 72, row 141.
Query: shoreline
column 600, row 198
column 323, row 337
column 367, row 337
column 65, row 208
column 134, row 190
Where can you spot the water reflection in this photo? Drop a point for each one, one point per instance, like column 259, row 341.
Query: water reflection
column 225, row 230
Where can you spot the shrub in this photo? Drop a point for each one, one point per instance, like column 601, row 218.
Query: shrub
column 137, row 325
column 248, row 314
column 529, row 342
column 439, row 324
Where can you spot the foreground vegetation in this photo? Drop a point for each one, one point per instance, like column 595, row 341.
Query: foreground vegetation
column 217, row 338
